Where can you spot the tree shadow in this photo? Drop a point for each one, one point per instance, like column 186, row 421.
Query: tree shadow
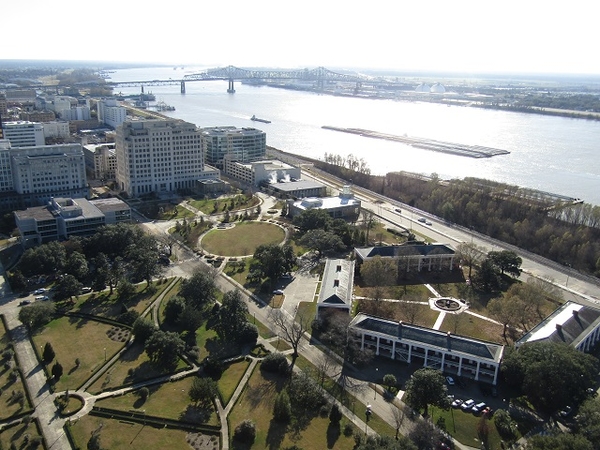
column 333, row 433
column 132, row 353
column 196, row 414
column 276, row 434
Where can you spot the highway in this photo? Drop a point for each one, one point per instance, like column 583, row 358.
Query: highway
column 574, row 285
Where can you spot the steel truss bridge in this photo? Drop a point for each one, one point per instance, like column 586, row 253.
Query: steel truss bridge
column 320, row 76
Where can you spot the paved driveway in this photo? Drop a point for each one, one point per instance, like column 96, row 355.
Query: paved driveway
column 301, row 288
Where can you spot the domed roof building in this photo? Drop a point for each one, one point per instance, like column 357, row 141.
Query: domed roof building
column 437, row 88
column 423, row 88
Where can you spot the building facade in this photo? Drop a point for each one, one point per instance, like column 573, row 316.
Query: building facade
column 344, row 206
column 452, row 354
column 159, row 156
column 101, row 160
column 412, row 257
column 111, row 113
column 257, row 172
column 238, row 144
column 24, row 134
column 64, row 217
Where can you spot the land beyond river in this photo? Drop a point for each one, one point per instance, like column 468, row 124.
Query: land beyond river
column 544, row 152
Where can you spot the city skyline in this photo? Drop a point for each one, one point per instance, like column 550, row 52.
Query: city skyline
column 507, row 37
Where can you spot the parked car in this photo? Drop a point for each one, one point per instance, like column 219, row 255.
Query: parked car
column 467, row 405
column 86, row 290
column 398, row 210
column 487, row 411
column 286, row 276
column 428, row 223
column 566, row 412
column 456, row 403
column 479, row 407
column 24, row 302
column 39, row 291
column 450, row 381
column 277, row 292
column 41, row 297
column 422, row 219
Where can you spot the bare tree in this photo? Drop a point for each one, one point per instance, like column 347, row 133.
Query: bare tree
column 470, row 254
column 290, row 330
column 399, row 415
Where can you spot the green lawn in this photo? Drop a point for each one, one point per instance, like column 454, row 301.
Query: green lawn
column 256, row 403
column 231, row 378
column 116, row 434
column 132, row 367
column 10, row 381
column 168, row 400
column 242, row 239
column 16, row 435
column 68, row 337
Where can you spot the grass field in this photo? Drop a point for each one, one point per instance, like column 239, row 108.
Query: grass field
column 231, row 378
column 242, row 239
column 67, row 337
column 132, row 366
column 115, row 434
column 16, row 435
column 168, row 400
column 256, row 403
column 10, row 382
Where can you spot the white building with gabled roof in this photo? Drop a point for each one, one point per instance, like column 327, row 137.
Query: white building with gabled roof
column 336, row 286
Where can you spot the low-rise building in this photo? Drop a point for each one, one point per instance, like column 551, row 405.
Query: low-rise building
column 451, row 353
column 412, row 256
column 571, row 323
column 336, row 287
column 344, row 206
column 101, row 160
column 64, row 217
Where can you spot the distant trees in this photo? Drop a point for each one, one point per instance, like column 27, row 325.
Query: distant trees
column 37, row 315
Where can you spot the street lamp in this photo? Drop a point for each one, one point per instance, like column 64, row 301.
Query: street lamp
column 104, row 354
column 375, row 394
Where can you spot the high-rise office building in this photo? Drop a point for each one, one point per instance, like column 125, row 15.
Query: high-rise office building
column 236, row 144
column 159, row 156
column 24, row 134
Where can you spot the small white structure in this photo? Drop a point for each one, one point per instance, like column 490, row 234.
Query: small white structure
column 336, row 286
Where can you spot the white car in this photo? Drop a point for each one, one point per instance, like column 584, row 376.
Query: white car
column 39, row 291
column 468, row 404
column 41, row 297
column 277, row 292
column 450, row 381
column 478, row 407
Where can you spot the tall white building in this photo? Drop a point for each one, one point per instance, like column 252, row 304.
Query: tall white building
column 236, row 144
column 110, row 113
column 159, row 156
column 24, row 134
column 30, row 176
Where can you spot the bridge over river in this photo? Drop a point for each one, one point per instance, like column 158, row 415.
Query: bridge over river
column 320, row 76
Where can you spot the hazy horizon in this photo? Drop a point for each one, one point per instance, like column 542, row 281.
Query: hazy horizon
column 465, row 36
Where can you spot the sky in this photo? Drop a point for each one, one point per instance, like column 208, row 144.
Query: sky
column 509, row 36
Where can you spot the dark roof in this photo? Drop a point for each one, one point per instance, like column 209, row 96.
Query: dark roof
column 427, row 336
column 568, row 324
column 398, row 251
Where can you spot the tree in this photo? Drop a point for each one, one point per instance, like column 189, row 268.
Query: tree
column 245, row 432
column 173, row 309
column 487, row 278
column 470, row 254
column 203, row 391
column 290, row 330
column 312, row 219
column 271, row 260
column 142, row 329
column 143, row 257
column 190, row 319
column 321, row 241
column 76, row 265
column 556, row 375
column 507, row 310
column 282, row 409
column 369, row 221
column 399, row 416
column 507, row 261
column 37, row 315
column 559, row 441
column 389, row 381
column 335, row 415
column 200, row 290
column 426, row 387
column 379, row 271
column 163, row 349
column 377, row 442
column 57, row 371
column 231, row 316
column 126, row 290
column 67, row 287
column 48, row 353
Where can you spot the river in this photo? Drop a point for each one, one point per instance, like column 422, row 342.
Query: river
column 553, row 154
